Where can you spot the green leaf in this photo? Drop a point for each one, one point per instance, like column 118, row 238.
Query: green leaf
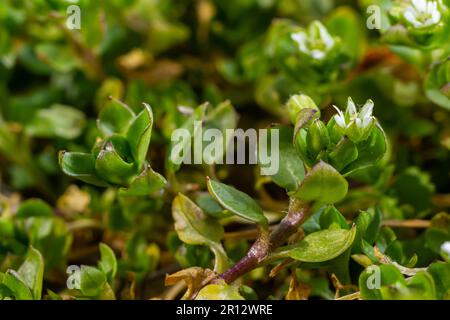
column 368, row 224
column 332, row 218
column 145, row 184
column 374, row 277
column 81, row 166
column 188, row 125
column 32, row 272
column 120, row 144
column 346, row 23
column 57, row 121
column 344, row 153
column 420, row 287
column 291, row 170
column 440, row 271
column 435, row 82
column 115, row 117
column 236, row 202
column 16, row 285
column 191, row 223
column 303, row 118
column 323, row 245
column 207, row 203
column 220, row 291
column 301, row 109
column 139, row 135
column 369, row 151
column 34, row 208
column 92, row 281
column 317, row 138
column 112, row 168
column 108, row 262
column 413, row 187
column 57, row 56
column 322, row 184
column 222, row 117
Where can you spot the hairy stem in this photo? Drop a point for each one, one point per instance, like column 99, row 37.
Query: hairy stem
column 297, row 214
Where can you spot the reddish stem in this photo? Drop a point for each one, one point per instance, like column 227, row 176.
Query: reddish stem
column 297, row 214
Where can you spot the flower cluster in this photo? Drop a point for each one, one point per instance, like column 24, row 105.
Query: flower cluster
column 422, row 13
column 316, row 41
column 356, row 126
column 348, row 141
column 418, row 23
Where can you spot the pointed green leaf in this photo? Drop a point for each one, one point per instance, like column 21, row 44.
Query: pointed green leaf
column 115, row 117
column 15, row 284
column 81, row 166
column 236, row 202
column 32, row 272
column 207, row 203
column 120, row 144
column 108, row 262
column 112, row 168
column 139, row 135
column 344, row 153
column 332, row 218
column 145, row 184
column 92, row 281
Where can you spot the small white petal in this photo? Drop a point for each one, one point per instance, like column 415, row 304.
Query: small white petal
column 446, row 247
column 417, row 23
column 325, row 36
column 421, row 5
column 351, row 109
column 410, row 15
column 367, row 122
column 435, row 17
column 340, row 121
column 338, row 110
column 432, row 6
column 317, row 54
column 300, row 38
column 358, row 123
column 366, row 111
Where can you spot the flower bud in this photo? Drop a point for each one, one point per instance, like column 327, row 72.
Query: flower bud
column 317, row 138
column 298, row 102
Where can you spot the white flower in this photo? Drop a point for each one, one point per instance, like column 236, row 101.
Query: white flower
column 357, row 126
column 315, row 42
column 446, row 248
column 422, row 13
